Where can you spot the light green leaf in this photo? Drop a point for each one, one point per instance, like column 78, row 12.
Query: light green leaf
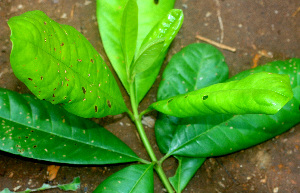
column 109, row 16
column 73, row 186
column 135, row 178
column 129, row 30
column 37, row 129
column 166, row 28
column 187, row 167
column 258, row 93
column 147, row 56
column 59, row 65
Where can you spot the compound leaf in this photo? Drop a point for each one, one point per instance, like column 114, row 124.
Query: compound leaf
column 59, row 65
column 37, row 129
column 134, row 178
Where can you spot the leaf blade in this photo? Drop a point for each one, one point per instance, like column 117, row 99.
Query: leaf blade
column 258, row 93
column 62, row 66
column 134, row 178
column 40, row 130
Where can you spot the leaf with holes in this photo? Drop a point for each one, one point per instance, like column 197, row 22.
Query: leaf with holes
column 257, row 93
column 109, row 15
column 59, row 65
column 37, row 129
column 187, row 167
column 217, row 135
column 134, row 178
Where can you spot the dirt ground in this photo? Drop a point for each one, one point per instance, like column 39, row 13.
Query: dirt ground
column 250, row 26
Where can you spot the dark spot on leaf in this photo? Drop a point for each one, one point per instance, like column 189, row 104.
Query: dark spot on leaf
column 75, row 144
column 26, row 137
column 169, row 100
column 92, row 60
column 186, row 96
column 45, row 39
column 204, row 97
column 62, row 44
column 42, row 78
column 53, row 95
column 69, row 101
column 108, row 103
column 156, row 1
column 19, row 137
column 54, row 88
column 18, row 146
column 96, row 109
column 54, row 49
column 30, row 79
column 45, row 23
column 34, row 146
column 83, row 90
column 79, row 60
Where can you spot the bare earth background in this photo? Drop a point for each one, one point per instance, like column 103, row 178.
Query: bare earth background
column 249, row 25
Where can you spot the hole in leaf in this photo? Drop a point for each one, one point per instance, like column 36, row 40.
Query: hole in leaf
column 83, row 90
column 96, row 109
column 169, row 100
column 108, row 103
column 156, row 1
column 204, row 97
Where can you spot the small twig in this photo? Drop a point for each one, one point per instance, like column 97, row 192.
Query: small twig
column 220, row 20
column 296, row 12
column 219, row 45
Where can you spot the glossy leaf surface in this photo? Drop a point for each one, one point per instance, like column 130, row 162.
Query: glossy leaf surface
column 196, row 66
column 109, row 16
column 167, row 28
column 129, row 30
column 217, row 135
column 134, row 178
column 59, row 65
column 187, row 167
column 37, row 129
column 258, row 93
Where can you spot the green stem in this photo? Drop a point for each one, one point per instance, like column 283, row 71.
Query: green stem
column 136, row 118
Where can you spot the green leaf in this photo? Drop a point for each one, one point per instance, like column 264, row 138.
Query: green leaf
column 73, row 186
column 109, row 15
column 217, row 135
column 187, row 168
column 166, row 28
column 37, row 129
column 147, row 56
column 59, row 65
column 129, row 30
column 258, row 93
column 6, row 190
column 196, row 66
column 135, row 178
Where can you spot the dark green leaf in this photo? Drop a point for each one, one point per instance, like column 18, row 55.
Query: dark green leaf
column 129, row 30
column 109, row 15
column 166, row 28
column 258, row 93
column 37, row 129
column 59, row 65
column 187, row 168
column 222, row 134
column 194, row 67
column 147, row 56
column 135, row 178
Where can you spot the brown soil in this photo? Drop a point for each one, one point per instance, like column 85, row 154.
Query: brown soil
column 249, row 25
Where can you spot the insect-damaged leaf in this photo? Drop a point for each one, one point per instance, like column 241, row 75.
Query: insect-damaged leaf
column 37, row 129
column 132, row 179
column 59, row 65
column 109, row 15
column 217, row 135
column 258, row 93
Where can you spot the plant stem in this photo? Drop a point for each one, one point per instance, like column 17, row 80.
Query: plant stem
column 137, row 120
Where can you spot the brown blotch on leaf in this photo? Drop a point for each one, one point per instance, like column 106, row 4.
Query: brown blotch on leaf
column 83, row 90
column 96, row 109
column 45, row 23
column 30, row 79
column 79, row 60
column 34, row 146
column 42, row 78
column 92, row 60
column 108, row 103
column 169, row 100
column 53, row 95
column 62, row 44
